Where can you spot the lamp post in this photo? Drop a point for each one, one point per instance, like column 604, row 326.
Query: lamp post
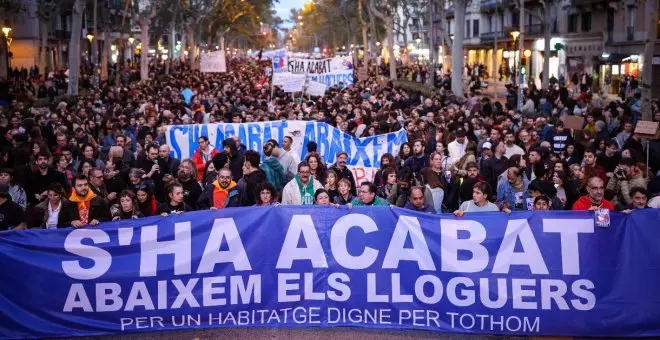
column 90, row 37
column 4, row 47
column 515, row 35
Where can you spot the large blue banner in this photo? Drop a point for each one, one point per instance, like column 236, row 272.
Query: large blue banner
column 534, row 273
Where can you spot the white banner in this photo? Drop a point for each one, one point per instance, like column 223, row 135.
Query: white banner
column 320, row 66
column 316, row 89
column 363, row 153
column 293, row 83
column 213, row 62
column 279, row 58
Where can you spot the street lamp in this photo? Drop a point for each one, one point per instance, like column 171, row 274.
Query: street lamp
column 515, row 35
column 131, row 40
column 527, row 53
column 6, row 28
column 90, row 37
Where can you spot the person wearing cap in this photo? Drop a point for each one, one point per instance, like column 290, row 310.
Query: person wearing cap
column 12, row 216
column 457, row 147
column 344, row 172
column 486, row 153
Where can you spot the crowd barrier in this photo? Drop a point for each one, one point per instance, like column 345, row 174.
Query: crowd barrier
column 527, row 273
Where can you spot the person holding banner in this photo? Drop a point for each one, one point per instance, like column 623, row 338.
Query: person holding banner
column 302, row 188
column 479, row 201
column 367, row 196
column 417, row 203
column 12, row 215
column 84, row 207
column 175, row 205
column 222, row 193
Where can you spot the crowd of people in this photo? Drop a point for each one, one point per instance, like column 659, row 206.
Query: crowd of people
column 104, row 157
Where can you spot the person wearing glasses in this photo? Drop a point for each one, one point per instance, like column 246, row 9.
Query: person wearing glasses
column 302, row 188
column 595, row 199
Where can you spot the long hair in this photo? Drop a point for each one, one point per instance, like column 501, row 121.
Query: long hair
column 132, row 196
column 429, row 177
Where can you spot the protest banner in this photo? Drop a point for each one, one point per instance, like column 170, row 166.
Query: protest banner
column 364, row 153
column 316, row 89
column 527, row 273
column 213, row 62
column 279, row 59
column 573, row 122
column 293, row 83
column 319, row 66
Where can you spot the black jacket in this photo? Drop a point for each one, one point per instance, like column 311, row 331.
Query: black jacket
column 345, row 173
column 250, row 191
column 235, row 159
column 98, row 211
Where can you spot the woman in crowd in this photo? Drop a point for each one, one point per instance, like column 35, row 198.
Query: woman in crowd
column 88, row 154
column 321, row 197
column 16, row 192
column 345, row 195
column 479, row 201
column 405, row 151
column 389, row 176
column 316, row 166
column 434, row 189
column 267, row 195
column 146, row 202
column 386, row 161
column 85, row 166
column 128, row 207
column 52, row 207
column 332, row 185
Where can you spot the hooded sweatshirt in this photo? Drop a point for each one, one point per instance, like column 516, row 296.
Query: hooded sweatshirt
column 584, row 203
column 296, row 193
column 235, row 160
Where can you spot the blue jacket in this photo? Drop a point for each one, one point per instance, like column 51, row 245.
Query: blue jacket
column 427, row 208
column 506, row 193
column 109, row 141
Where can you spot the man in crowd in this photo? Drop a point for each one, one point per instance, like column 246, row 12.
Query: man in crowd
column 253, row 177
column 589, row 161
column 367, row 196
column 41, row 178
column 186, row 177
column 12, row 215
column 640, row 199
column 559, row 137
column 511, row 147
column 286, row 160
column 416, row 202
column 493, row 167
column 222, row 193
column 343, row 171
column 84, row 207
column 457, row 147
column 301, row 189
column 610, row 158
column 626, row 176
column 169, row 165
column 595, row 199
column 287, row 143
column 419, row 159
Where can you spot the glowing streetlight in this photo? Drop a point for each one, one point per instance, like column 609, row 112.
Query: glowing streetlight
column 90, row 37
column 418, row 40
column 527, row 53
column 377, row 43
column 6, row 28
column 515, row 35
column 131, row 40
column 300, row 17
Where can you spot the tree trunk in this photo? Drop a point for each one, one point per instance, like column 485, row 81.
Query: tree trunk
column 94, row 54
column 170, row 49
column 104, row 55
column 432, row 48
column 365, row 41
column 460, row 7
column 546, row 55
column 191, row 45
column 74, row 46
column 144, row 56
column 43, row 49
column 521, row 48
column 4, row 72
column 390, row 46
column 182, row 54
column 651, row 33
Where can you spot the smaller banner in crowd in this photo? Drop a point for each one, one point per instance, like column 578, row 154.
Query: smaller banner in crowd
column 213, row 62
column 364, row 153
column 527, row 273
column 316, row 89
column 279, row 58
column 293, row 83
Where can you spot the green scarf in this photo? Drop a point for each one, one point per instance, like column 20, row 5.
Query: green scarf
column 306, row 191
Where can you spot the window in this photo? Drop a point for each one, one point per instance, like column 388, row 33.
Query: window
column 515, row 19
column 490, row 23
column 475, row 28
column 467, row 28
column 586, row 22
column 572, row 23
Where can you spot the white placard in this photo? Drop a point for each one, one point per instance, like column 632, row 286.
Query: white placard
column 316, row 89
column 278, row 78
column 293, row 83
column 213, row 62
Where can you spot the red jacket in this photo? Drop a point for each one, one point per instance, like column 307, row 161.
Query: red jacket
column 584, row 203
column 200, row 163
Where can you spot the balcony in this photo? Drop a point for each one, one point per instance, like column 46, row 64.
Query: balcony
column 489, row 5
column 490, row 36
column 535, row 29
